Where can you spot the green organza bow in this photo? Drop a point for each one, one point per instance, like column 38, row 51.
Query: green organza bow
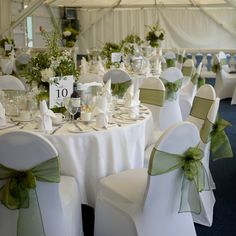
column 171, row 88
column 152, row 96
column 19, row 192
column 217, row 65
column 119, row 89
column 220, row 145
column 195, row 178
column 170, row 63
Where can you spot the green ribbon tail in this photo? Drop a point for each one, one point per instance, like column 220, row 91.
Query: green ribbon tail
column 220, row 146
column 190, row 200
column 30, row 219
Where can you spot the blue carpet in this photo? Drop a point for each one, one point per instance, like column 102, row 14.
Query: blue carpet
column 224, row 175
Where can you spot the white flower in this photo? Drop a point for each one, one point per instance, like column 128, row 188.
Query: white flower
column 46, row 74
column 67, row 33
column 158, row 33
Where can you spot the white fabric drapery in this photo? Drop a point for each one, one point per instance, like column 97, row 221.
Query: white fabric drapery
column 185, row 27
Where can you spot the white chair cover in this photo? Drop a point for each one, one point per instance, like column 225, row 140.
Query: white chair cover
column 152, row 95
column 207, row 197
column 187, row 94
column 171, row 112
column 135, row 203
column 60, row 204
column 225, row 82
column 117, row 76
column 10, row 82
column 206, row 94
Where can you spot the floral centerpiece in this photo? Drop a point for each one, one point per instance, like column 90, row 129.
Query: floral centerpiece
column 128, row 43
column 51, row 63
column 70, row 36
column 155, row 35
column 107, row 50
column 7, row 41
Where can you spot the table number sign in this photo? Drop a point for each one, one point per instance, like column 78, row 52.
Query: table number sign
column 60, row 88
column 116, row 56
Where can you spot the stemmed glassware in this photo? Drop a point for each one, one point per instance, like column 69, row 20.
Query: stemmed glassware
column 71, row 105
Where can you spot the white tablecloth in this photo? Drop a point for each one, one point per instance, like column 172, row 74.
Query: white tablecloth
column 89, row 156
column 92, row 155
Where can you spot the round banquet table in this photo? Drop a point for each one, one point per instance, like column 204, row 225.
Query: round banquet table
column 89, row 156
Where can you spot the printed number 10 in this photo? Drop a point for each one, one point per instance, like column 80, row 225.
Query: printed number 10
column 62, row 93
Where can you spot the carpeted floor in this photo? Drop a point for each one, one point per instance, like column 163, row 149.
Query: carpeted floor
column 224, row 174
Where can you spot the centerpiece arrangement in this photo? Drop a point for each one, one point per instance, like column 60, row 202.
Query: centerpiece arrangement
column 155, row 35
column 7, row 44
column 53, row 62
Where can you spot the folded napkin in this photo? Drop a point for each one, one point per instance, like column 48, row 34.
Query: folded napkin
column 101, row 111
column 100, row 67
column 8, row 65
column 46, row 115
column 107, row 88
column 129, row 95
column 2, row 115
column 84, row 66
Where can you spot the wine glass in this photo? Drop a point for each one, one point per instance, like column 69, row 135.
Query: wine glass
column 72, row 107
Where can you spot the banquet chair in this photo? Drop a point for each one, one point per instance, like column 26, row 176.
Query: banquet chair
column 10, row 82
column 44, row 202
column 170, row 58
column 120, row 80
column 225, row 81
column 180, row 59
column 171, row 112
column 140, row 202
column 207, row 197
column 202, row 102
column 188, row 92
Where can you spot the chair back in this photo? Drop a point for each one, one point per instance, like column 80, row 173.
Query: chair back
column 202, row 102
column 170, row 58
column 21, row 150
column 188, row 68
column 120, row 81
column 117, row 76
column 223, row 61
column 171, row 112
column 163, row 193
column 152, row 94
column 10, row 82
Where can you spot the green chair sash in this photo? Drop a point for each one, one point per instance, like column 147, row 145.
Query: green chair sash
column 19, row 192
column 220, row 145
column 223, row 61
column 119, row 89
column 200, row 107
column 195, row 177
column 180, row 58
column 152, row 96
column 187, row 71
column 201, row 82
column 217, row 65
column 195, row 78
column 170, row 63
column 171, row 89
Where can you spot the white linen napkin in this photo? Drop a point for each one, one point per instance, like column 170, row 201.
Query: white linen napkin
column 2, row 115
column 46, row 115
column 84, row 66
column 101, row 111
column 129, row 95
column 100, row 67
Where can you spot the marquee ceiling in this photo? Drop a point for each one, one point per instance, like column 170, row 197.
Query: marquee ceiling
column 141, row 3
